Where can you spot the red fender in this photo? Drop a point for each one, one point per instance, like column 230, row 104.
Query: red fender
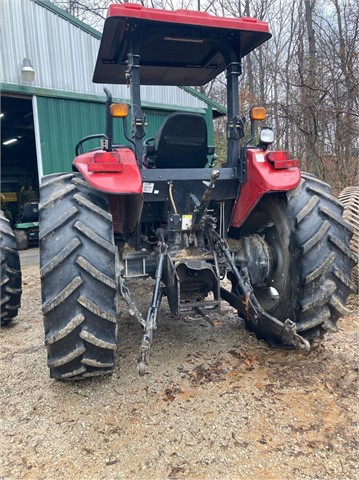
column 116, row 173
column 113, row 172
column 267, row 172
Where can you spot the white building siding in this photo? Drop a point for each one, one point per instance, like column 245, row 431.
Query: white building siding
column 63, row 55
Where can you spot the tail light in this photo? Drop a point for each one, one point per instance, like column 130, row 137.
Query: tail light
column 106, row 162
column 281, row 160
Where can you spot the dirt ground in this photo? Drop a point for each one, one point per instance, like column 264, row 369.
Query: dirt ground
column 215, row 404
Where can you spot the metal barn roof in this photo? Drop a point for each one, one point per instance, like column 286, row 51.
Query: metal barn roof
column 63, row 53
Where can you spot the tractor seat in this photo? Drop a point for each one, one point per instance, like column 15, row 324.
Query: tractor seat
column 181, row 142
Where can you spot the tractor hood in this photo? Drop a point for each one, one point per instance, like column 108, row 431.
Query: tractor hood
column 181, row 47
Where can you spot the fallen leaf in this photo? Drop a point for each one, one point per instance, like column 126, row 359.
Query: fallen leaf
column 329, row 387
column 215, row 322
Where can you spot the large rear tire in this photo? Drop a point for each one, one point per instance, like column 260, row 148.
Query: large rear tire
column 312, row 262
column 79, row 265
column 10, row 272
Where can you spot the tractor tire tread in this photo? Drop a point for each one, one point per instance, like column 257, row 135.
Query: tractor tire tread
column 78, row 275
column 324, row 276
column 10, row 272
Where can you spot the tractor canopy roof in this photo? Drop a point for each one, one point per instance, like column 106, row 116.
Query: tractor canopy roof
column 181, row 47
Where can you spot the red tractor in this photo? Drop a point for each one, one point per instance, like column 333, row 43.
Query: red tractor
column 157, row 207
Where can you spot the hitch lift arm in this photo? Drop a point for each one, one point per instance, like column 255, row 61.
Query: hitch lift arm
column 150, row 323
column 247, row 304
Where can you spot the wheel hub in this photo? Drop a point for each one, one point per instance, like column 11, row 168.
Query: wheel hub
column 255, row 254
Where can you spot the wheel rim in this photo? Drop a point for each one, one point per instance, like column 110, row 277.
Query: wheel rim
column 263, row 224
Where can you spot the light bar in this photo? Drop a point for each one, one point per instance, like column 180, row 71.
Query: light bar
column 8, row 142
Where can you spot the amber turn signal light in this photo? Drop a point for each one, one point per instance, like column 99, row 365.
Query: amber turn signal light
column 258, row 113
column 119, row 110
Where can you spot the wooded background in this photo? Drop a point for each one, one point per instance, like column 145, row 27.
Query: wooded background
column 306, row 75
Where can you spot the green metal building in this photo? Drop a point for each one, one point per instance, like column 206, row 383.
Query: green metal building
column 48, row 100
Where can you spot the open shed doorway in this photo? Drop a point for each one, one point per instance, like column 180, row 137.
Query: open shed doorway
column 19, row 171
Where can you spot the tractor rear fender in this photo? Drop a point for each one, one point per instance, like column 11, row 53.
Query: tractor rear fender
column 112, row 172
column 267, row 172
column 117, row 174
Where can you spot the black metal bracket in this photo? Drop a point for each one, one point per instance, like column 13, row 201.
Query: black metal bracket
column 138, row 118
column 150, row 324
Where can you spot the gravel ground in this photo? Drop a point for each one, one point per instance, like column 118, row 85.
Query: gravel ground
column 215, row 404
